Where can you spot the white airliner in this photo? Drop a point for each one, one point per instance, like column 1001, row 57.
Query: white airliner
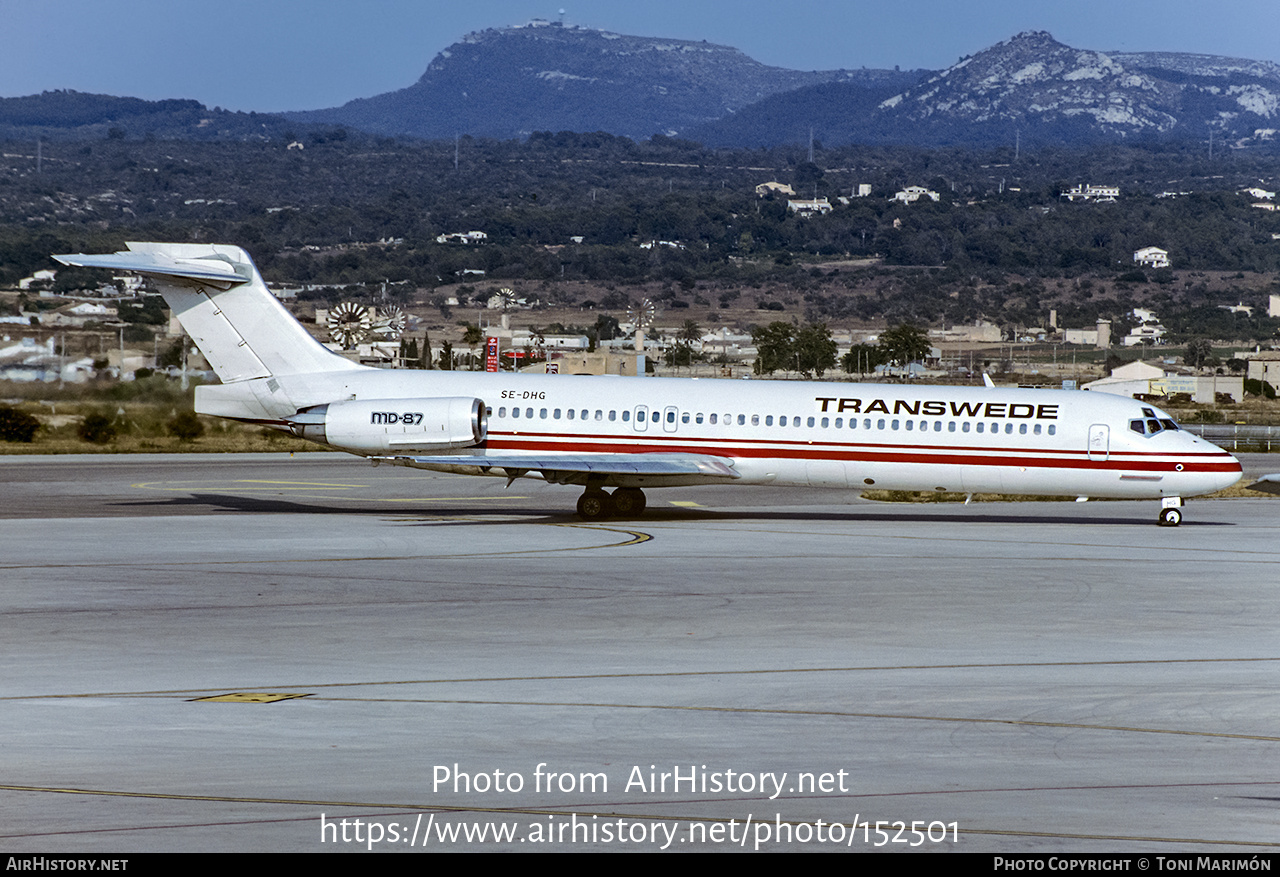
column 632, row 433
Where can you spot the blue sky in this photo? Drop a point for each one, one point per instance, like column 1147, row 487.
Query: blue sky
column 271, row 55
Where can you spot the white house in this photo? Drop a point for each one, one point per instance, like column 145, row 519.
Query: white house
column 1265, row 366
column 462, row 237
column 44, row 277
column 809, row 206
column 912, row 194
column 1152, row 257
column 774, row 188
column 1092, row 192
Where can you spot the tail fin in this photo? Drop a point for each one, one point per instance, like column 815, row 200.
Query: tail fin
column 218, row 295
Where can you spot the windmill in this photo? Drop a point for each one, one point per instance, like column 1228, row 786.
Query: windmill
column 641, row 317
column 349, row 324
column 508, row 300
column 390, row 323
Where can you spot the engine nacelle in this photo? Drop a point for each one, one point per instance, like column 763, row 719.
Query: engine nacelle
column 380, row 426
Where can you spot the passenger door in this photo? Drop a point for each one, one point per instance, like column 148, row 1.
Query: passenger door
column 1099, row 441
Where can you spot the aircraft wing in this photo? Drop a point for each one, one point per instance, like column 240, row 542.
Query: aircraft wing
column 216, row 271
column 1267, row 484
column 590, row 464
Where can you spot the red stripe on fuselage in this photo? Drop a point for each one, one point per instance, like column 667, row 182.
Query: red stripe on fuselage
column 534, row 443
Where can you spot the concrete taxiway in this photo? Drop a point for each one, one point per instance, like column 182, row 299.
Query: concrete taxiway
column 1042, row 676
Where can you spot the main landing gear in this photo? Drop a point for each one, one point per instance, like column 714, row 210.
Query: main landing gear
column 625, row 502
column 1171, row 512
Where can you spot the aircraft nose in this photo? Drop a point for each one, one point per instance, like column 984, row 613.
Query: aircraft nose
column 1231, row 471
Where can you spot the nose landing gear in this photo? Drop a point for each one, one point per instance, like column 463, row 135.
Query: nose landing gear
column 1171, row 511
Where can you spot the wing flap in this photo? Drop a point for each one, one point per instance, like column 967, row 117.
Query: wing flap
column 1267, row 484
column 654, row 465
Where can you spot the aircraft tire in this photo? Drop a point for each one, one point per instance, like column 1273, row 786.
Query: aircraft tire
column 1170, row 517
column 595, row 505
column 629, row 502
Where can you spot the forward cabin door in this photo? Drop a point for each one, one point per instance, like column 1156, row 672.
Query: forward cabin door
column 1099, row 442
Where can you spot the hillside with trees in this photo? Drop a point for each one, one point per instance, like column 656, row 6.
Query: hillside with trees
column 594, row 221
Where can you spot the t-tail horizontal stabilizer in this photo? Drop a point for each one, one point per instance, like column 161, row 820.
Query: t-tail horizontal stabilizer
column 218, row 295
column 214, row 270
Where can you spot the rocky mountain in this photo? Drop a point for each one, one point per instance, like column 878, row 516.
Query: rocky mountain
column 509, row 82
column 1204, row 66
column 1050, row 92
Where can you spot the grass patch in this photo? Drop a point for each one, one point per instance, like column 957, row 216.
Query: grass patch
column 142, row 415
column 143, row 427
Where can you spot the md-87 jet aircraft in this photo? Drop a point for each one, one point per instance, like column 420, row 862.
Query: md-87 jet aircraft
column 621, row 434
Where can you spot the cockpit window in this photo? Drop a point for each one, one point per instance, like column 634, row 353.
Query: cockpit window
column 1147, row 412
column 1152, row 424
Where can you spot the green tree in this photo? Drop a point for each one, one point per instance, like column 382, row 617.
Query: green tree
column 775, row 344
column 607, row 327
column 471, row 336
column 904, row 344
column 815, row 349
column 17, row 426
column 862, row 358
column 171, row 356
column 425, row 361
column 1199, row 353
column 185, row 426
column 679, row 354
column 97, row 429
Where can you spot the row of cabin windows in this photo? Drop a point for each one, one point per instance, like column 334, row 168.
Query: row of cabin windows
column 782, row 420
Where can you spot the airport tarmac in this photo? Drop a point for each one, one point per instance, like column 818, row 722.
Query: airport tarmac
column 1004, row 677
